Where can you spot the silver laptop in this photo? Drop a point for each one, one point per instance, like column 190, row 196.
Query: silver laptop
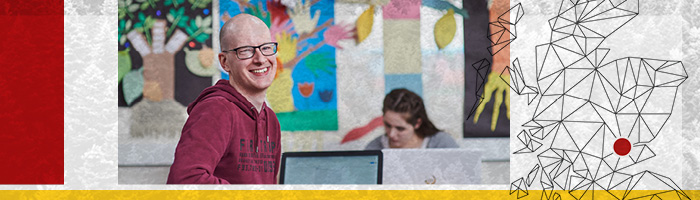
column 431, row 166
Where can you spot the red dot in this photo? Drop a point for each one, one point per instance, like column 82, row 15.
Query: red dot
column 191, row 44
column 622, row 146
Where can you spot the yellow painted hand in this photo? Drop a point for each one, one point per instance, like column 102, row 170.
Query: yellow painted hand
column 495, row 84
column 301, row 17
column 287, row 47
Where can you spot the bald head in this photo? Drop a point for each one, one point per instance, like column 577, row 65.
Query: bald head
column 239, row 26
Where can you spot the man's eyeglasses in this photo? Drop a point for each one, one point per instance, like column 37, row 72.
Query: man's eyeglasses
column 246, row 52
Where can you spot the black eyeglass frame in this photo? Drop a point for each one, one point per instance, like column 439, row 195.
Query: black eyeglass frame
column 254, row 47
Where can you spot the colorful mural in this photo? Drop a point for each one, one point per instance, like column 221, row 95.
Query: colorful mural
column 165, row 60
column 304, row 93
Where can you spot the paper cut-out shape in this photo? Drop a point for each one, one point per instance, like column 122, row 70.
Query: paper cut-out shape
column 495, row 87
column 301, row 16
column 336, row 33
column 133, row 85
column 306, row 89
column 325, row 95
column 124, row 63
column 364, row 24
column 286, row 46
column 358, row 132
column 445, row 29
column 279, row 26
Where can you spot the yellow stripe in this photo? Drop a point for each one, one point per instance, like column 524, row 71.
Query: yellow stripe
column 319, row 194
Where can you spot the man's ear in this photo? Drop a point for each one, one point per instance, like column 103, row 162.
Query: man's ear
column 419, row 121
column 222, row 61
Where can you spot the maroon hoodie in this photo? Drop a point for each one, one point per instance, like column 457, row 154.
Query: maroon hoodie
column 226, row 141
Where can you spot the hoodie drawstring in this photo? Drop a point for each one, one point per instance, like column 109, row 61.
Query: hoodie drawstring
column 255, row 136
column 267, row 122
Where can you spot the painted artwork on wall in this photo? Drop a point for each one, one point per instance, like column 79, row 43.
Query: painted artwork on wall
column 165, row 60
column 487, row 35
column 420, row 49
column 303, row 94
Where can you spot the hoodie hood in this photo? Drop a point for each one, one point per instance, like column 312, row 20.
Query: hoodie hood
column 224, row 89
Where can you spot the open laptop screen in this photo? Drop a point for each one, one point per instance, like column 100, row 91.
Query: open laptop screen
column 331, row 167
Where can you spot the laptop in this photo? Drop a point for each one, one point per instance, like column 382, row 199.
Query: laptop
column 331, row 167
column 431, row 166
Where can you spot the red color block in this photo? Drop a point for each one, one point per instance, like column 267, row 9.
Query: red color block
column 31, row 92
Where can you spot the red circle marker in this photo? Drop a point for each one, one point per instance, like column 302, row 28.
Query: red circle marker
column 191, row 44
column 622, row 146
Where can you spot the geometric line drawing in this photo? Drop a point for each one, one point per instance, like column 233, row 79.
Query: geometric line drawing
column 505, row 35
column 519, row 187
column 482, row 67
column 519, row 85
column 532, row 175
column 594, row 117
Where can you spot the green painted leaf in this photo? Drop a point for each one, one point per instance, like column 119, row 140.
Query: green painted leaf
column 149, row 22
column 121, row 26
column 183, row 22
column 133, row 85
column 201, row 38
column 207, row 21
column 198, row 21
column 193, row 25
column 170, row 17
column 207, row 30
column 144, row 6
column 124, row 62
column 181, row 11
column 133, row 7
column 200, row 3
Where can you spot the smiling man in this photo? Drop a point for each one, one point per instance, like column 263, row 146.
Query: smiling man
column 231, row 136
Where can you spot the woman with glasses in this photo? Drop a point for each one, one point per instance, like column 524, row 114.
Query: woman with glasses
column 407, row 125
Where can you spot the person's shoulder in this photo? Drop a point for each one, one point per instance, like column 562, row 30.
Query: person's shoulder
column 443, row 140
column 375, row 144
